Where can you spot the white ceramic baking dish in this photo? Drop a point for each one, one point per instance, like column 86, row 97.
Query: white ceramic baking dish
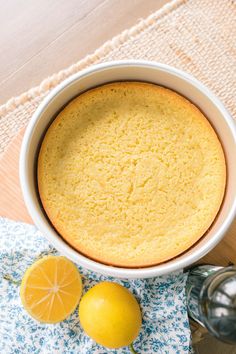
column 139, row 71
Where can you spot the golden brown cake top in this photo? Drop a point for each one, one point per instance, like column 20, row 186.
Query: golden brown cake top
column 131, row 174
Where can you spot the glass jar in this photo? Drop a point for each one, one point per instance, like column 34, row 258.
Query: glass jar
column 211, row 300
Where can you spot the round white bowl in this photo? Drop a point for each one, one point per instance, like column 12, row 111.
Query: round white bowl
column 139, row 71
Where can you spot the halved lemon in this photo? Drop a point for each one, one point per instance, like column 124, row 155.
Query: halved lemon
column 51, row 288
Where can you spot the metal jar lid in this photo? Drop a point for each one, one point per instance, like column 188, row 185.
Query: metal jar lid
column 218, row 304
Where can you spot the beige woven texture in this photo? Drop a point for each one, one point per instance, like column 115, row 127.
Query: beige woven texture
column 198, row 36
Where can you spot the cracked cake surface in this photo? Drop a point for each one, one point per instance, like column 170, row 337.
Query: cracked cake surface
column 131, row 174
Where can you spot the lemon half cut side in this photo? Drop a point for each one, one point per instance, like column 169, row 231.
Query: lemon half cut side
column 51, row 289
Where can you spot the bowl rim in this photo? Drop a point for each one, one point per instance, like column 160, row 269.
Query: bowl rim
column 47, row 229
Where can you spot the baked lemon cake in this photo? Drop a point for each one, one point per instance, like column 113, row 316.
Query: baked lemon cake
column 131, row 174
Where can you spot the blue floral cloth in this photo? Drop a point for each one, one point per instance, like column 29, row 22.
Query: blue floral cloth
column 165, row 327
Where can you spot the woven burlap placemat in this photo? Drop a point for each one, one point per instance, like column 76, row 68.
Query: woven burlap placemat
column 198, row 36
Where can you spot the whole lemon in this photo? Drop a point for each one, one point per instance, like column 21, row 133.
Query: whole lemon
column 110, row 315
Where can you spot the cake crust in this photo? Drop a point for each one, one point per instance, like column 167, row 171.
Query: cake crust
column 131, row 174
